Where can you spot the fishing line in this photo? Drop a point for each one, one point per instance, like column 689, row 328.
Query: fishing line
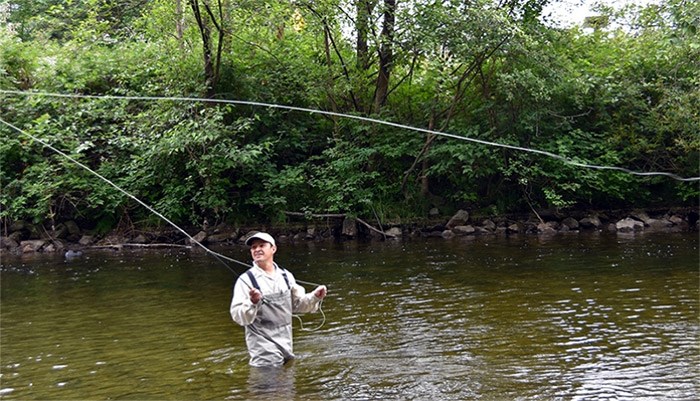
column 360, row 118
column 217, row 255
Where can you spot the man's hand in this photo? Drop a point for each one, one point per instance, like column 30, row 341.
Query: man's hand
column 255, row 295
column 320, row 292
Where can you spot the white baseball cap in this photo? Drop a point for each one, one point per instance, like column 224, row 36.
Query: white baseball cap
column 263, row 236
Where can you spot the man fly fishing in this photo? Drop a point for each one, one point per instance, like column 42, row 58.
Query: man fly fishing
column 264, row 299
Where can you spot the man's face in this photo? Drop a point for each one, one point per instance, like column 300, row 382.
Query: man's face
column 262, row 251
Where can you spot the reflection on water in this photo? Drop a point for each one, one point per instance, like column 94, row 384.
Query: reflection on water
column 272, row 383
column 574, row 316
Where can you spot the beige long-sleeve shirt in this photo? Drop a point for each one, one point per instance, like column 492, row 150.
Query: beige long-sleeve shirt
column 243, row 311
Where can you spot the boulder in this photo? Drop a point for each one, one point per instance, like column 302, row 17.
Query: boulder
column 679, row 222
column 8, row 243
column 488, row 225
column 571, row 223
column 16, row 236
column 394, row 232
column 71, row 254
column 49, row 248
column 658, row 224
column 628, row 224
column 463, row 230
column 349, row 227
column 516, row 228
column 546, row 228
column 481, row 230
column 641, row 216
column 459, row 219
column 590, row 222
column 86, row 240
column 33, row 245
column 447, row 234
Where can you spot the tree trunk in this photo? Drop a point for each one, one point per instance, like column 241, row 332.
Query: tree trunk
column 212, row 61
column 179, row 23
column 364, row 13
column 385, row 55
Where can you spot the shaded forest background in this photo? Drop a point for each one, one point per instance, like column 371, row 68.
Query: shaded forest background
column 622, row 90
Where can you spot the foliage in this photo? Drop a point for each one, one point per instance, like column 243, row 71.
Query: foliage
column 623, row 94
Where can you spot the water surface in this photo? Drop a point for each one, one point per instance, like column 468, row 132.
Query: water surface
column 576, row 316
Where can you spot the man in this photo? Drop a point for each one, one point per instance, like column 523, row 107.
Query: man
column 264, row 299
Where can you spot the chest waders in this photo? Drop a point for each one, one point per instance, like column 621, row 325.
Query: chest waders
column 269, row 337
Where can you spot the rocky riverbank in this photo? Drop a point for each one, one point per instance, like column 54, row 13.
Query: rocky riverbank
column 69, row 238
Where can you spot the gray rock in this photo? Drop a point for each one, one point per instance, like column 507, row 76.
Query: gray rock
column 71, row 254
column 349, row 227
column 463, row 230
column 629, row 225
column 447, row 234
column 641, row 216
column 33, row 245
column 16, row 236
column 546, row 228
column 658, row 224
column 488, row 225
column 481, row 230
column 394, row 232
column 677, row 220
column 86, row 240
column 516, row 228
column 590, row 222
column 8, row 243
column 571, row 223
column 459, row 219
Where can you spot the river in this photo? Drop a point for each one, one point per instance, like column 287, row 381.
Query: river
column 572, row 316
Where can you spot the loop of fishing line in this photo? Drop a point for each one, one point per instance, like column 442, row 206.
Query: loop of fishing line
column 360, row 118
column 323, row 320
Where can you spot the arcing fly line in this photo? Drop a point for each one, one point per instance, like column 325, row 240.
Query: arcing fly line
column 360, row 118
column 221, row 258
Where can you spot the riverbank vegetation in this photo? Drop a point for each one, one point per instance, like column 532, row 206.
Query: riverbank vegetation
column 622, row 90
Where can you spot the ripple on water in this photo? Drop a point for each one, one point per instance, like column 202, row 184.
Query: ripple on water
column 524, row 319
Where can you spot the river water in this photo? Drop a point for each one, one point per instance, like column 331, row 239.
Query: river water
column 576, row 317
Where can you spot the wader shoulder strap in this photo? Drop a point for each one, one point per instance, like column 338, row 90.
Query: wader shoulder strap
column 286, row 280
column 253, row 280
